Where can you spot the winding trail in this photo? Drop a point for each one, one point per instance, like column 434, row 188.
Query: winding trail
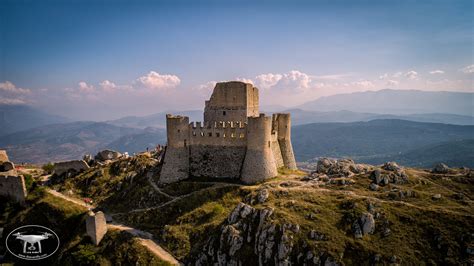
column 144, row 238
column 217, row 185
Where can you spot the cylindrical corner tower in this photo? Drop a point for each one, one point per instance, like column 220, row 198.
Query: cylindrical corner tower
column 284, row 139
column 176, row 161
column 259, row 163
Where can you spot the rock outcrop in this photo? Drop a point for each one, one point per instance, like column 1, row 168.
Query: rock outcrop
column 390, row 172
column 339, row 168
column 440, row 168
column 250, row 236
column 107, row 155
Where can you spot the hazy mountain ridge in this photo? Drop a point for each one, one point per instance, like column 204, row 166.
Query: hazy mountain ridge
column 15, row 118
column 380, row 140
column 390, row 101
column 62, row 141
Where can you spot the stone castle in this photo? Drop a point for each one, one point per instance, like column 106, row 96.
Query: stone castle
column 235, row 141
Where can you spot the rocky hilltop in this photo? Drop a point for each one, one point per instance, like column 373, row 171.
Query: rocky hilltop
column 335, row 212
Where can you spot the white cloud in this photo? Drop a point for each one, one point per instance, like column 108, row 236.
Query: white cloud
column 266, row 81
column 85, row 88
column 392, row 83
column 107, row 85
column 434, row 72
column 411, row 74
column 468, row 69
column 384, row 76
column 156, row 81
column 397, row 74
column 206, row 87
column 245, row 80
column 11, row 101
column 9, row 87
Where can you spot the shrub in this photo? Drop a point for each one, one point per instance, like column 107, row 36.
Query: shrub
column 48, row 168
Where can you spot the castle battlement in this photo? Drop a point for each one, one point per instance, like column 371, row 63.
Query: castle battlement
column 235, row 140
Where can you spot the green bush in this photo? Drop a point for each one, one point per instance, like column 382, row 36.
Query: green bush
column 48, row 168
column 86, row 255
column 28, row 181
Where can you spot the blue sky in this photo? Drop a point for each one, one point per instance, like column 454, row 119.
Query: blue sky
column 140, row 57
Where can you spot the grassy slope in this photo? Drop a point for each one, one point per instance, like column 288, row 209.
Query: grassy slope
column 416, row 223
column 68, row 221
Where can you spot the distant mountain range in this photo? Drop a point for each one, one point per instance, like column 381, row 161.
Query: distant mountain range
column 20, row 117
column 396, row 102
column 72, row 140
column 300, row 117
column 424, row 128
column 377, row 141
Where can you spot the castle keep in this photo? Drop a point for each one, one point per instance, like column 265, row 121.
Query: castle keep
column 234, row 141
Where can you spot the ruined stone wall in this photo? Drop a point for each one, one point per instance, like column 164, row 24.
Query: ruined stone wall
column 216, row 161
column 75, row 165
column 13, row 186
column 259, row 163
column 96, row 226
column 275, row 145
column 282, row 126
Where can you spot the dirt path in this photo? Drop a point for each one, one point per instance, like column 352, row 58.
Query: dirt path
column 152, row 183
column 73, row 200
column 218, row 185
column 144, row 238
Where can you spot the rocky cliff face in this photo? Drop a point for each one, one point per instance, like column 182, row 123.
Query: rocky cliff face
column 249, row 236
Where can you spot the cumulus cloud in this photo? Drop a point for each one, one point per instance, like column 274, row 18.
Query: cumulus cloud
column 156, row 81
column 9, row 87
column 246, row 80
column 468, row 69
column 434, row 72
column 85, row 88
column 411, row 74
column 107, row 85
column 266, row 81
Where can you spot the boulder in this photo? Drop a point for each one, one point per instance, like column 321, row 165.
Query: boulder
column 436, row 197
column 373, row 186
column 440, row 168
column 364, row 225
column 339, row 168
column 106, row 155
column 391, row 166
column 262, row 195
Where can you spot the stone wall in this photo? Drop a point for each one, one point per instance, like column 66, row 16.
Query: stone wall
column 13, row 186
column 175, row 165
column 216, row 161
column 75, row 165
column 96, row 226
